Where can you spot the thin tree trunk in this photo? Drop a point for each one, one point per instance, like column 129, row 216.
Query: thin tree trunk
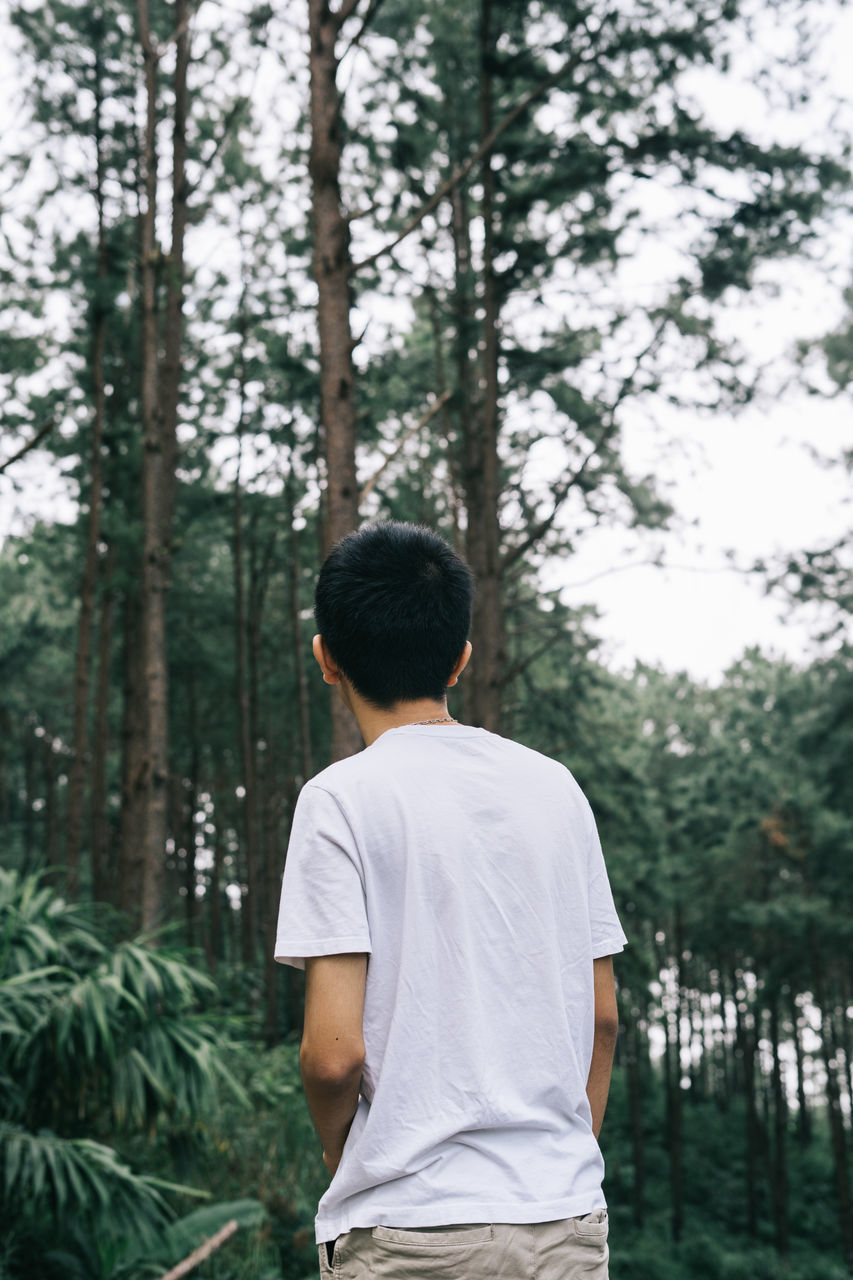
column 724, row 1083
column 674, row 1112
column 842, row 1038
column 465, row 337
column 454, row 497
column 103, row 876
column 299, row 665
column 247, row 759
column 159, row 399
column 214, row 931
column 51, row 816
column 74, row 819
column 780, row 1131
column 5, row 805
column 29, row 795
column 482, row 465
column 753, row 1127
column 153, row 777
column 332, row 270
column 840, row 1155
column 804, row 1126
column 271, row 890
column 635, row 1052
column 191, row 803
column 131, row 847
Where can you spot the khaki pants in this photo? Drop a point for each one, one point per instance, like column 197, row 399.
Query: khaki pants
column 573, row 1249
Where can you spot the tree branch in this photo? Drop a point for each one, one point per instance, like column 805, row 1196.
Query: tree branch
column 347, row 9
column 203, row 1251
column 369, row 485
column 40, row 435
column 372, row 8
column 464, row 169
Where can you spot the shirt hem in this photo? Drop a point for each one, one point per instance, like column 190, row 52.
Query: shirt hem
column 609, row 947
column 453, row 1213
column 295, row 953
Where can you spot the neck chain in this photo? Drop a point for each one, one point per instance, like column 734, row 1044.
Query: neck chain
column 438, row 720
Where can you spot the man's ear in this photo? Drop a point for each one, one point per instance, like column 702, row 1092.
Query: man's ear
column 330, row 669
column 460, row 665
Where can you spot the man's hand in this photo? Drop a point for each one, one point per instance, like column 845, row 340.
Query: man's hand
column 332, row 1053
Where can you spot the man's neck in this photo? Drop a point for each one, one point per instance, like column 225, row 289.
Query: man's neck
column 373, row 722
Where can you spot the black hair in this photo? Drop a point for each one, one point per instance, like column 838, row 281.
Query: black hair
column 393, row 604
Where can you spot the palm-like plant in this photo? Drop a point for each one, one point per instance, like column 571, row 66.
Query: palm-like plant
column 96, row 1042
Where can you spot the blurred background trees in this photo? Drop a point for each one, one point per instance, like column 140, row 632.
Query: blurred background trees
column 268, row 274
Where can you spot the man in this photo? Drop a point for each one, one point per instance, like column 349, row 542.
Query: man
column 446, row 893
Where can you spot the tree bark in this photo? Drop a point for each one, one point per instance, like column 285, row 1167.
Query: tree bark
column 753, row 1125
column 152, row 778
column 247, row 756
column 131, row 847
column 29, row 794
column 103, row 876
column 300, row 674
column 840, row 1155
column 213, row 936
column 80, row 735
column 672, row 1076
column 780, row 1132
column 482, row 464
column 51, row 816
column 803, row 1114
column 636, row 1051
column 332, row 270
column 159, row 399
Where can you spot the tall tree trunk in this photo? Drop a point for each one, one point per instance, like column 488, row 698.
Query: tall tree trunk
column 247, row 758
column 672, row 1077
column 842, row 1038
column 753, row 1123
column 80, row 735
column 159, row 400
column 724, row 1082
column 840, row 1155
column 803, row 1114
column 5, row 805
column 332, row 271
column 300, row 675
column 131, row 846
column 482, row 465
column 780, row 1135
column 636, row 1051
column 153, row 777
column 213, row 935
column 51, row 816
column 30, row 741
column 103, row 876
column 190, row 798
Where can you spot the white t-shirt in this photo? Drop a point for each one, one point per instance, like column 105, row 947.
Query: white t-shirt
column 469, row 868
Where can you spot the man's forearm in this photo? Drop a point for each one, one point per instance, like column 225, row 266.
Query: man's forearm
column 606, row 1025
column 600, row 1070
column 332, row 1103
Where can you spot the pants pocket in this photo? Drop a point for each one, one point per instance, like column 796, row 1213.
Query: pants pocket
column 592, row 1226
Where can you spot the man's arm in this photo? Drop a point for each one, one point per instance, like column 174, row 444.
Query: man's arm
column 332, row 1052
column 604, row 1043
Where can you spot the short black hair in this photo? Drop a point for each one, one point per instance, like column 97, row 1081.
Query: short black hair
column 393, row 604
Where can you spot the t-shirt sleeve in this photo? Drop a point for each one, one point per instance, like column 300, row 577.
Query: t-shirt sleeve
column 607, row 934
column 322, row 910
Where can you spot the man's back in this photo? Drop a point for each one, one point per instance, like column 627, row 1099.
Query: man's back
column 469, row 868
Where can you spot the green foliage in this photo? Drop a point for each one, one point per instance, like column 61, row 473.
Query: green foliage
column 97, row 1040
